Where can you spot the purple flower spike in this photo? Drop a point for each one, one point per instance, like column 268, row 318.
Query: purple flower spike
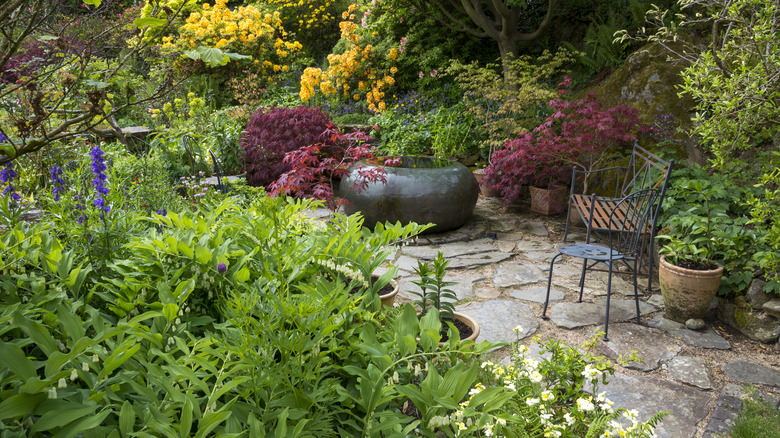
column 98, row 168
column 221, row 268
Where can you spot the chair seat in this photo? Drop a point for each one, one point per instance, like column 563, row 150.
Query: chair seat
column 591, row 252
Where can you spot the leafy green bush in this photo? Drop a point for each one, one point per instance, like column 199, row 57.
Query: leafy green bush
column 443, row 132
column 738, row 247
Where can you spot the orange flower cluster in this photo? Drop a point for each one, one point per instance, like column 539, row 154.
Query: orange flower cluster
column 359, row 72
column 244, row 30
column 310, row 13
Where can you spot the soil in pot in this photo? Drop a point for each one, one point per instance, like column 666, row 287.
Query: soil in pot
column 463, row 328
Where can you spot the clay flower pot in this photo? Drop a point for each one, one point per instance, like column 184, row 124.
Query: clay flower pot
column 687, row 293
column 388, row 299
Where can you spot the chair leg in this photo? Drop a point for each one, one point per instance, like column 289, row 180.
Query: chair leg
column 549, row 284
column 650, row 255
column 609, row 295
column 636, row 291
column 582, row 277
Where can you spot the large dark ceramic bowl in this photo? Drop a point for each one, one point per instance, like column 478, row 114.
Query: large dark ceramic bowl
column 422, row 190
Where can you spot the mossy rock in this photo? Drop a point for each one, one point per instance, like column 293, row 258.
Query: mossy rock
column 648, row 82
column 755, row 325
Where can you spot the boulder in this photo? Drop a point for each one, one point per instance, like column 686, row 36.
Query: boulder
column 647, row 81
column 755, row 325
column 755, row 294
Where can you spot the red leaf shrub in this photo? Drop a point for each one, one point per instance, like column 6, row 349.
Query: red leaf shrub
column 272, row 133
column 579, row 133
column 312, row 169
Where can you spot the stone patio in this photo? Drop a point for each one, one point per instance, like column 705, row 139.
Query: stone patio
column 501, row 260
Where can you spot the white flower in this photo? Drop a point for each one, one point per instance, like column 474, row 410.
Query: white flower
column 548, row 396
column 590, row 372
column 95, row 358
column 535, row 376
column 62, row 384
column 568, row 418
column 501, row 421
column 531, row 401
column 518, row 329
column 488, row 429
column 52, row 393
column 74, row 375
column 85, row 367
column 585, row 404
column 510, row 385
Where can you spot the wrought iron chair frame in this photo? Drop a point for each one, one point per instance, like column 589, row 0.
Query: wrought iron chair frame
column 645, row 170
column 633, row 214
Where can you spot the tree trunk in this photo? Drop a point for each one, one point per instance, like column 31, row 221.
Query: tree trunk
column 508, row 50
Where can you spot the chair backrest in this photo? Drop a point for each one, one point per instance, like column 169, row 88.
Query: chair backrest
column 645, row 171
column 634, row 216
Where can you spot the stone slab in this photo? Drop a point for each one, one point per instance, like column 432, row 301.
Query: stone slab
column 532, row 245
column 650, row 395
column 657, row 300
column 772, row 307
column 652, row 346
column 752, row 373
column 573, row 315
column 406, row 263
column 727, row 408
column 450, row 250
column 504, row 245
column 533, row 228
column 542, row 256
column 475, row 260
column 518, row 274
column 706, row 338
column 538, row 295
column 691, row 371
column 497, row 319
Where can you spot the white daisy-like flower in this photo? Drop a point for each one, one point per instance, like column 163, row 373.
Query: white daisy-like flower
column 584, row 404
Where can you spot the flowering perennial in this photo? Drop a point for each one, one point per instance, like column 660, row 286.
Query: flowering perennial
column 99, row 168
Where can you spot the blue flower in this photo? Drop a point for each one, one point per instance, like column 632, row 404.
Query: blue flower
column 7, row 176
column 98, row 168
column 57, row 182
column 221, row 268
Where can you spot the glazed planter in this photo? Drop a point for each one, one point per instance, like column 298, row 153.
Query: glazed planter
column 548, row 201
column 422, row 190
column 687, row 293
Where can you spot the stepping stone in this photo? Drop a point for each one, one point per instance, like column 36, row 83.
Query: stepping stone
column 691, row 371
column 747, row 372
column 652, row 346
column 538, row 294
column 517, row 274
column 535, row 228
column 450, row 250
column 406, row 263
column 542, row 256
column 564, row 272
column 650, row 395
column 512, row 237
column 657, row 300
column 533, row 245
column 573, row 315
column 504, row 245
column 706, row 338
column 726, row 410
column 487, row 293
column 498, row 319
column 474, row 260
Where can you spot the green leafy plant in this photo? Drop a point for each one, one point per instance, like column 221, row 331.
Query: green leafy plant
column 433, row 292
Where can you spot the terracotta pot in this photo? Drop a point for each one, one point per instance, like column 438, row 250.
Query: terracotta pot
column 388, row 299
column 548, row 201
column 485, row 189
column 469, row 321
column 687, row 293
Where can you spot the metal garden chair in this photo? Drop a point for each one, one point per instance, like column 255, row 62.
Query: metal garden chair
column 628, row 221
column 645, row 170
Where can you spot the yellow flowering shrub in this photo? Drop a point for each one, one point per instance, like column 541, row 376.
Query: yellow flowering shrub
column 305, row 14
column 360, row 72
column 245, row 30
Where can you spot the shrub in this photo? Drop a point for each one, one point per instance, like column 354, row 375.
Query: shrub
column 272, row 133
column 579, row 133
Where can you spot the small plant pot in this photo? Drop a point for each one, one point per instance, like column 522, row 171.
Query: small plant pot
column 388, row 299
column 548, row 201
column 469, row 321
column 687, row 293
column 484, row 188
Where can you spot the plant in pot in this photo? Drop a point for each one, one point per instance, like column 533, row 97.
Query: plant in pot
column 688, row 277
column 434, row 296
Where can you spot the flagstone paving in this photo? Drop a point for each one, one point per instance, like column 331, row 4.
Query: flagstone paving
column 500, row 260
